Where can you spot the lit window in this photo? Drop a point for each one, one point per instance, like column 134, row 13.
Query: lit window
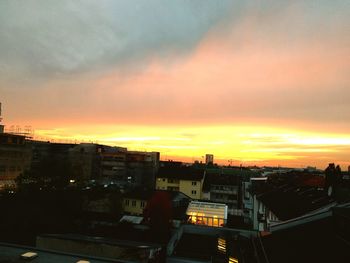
column 222, row 245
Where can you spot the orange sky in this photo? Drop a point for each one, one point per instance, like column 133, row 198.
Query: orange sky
column 266, row 84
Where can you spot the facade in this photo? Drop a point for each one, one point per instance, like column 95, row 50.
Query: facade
column 184, row 179
column 223, row 188
column 134, row 203
column 15, row 158
column 142, row 168
column 115, row 164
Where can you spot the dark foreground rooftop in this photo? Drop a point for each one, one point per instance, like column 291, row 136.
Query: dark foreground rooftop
column 12, row 254
column 323, row 241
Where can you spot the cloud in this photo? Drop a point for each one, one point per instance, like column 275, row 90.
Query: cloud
column 192, row 62
column 49, row 38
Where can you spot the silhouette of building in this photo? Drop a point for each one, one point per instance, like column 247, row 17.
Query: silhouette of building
column 209, row 159
column 15, row 157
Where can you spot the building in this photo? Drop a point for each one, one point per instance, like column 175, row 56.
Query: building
column 205, row 213
column 113, row 162
column 185, row 179
column 137, row 202
column 223, row 188
column 142, row 168
column 15, row 158
column 279, row 198
column 209, row 159
column 322, row 237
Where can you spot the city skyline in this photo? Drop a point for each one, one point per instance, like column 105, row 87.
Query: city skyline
column 256, row 83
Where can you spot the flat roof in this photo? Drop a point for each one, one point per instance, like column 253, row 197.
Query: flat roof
column 12, row 253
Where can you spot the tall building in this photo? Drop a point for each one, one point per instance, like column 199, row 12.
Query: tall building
column 142, row 168
column 209, row 159
column 15, row 157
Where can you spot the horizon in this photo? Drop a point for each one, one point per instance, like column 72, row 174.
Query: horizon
column 255, row 83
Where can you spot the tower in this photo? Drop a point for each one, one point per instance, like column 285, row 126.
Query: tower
column 209, row 159
column 1, row 126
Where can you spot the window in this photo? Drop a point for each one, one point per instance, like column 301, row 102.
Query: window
column 142, row 204
column 194, row 192
column 163, row 179
column 133, row 203
column 194, row 183
column 127, row 202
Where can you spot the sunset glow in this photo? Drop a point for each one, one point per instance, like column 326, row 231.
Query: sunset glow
column 233, row 145
column 260, row 83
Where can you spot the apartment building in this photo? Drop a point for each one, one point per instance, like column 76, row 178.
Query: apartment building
column 187, row 180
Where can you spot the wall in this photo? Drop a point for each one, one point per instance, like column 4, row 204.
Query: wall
column 186, row 187
column 133, row 210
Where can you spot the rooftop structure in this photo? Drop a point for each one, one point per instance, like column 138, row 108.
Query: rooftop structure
column 205, row 213
column 193, row 243
column 17, row 254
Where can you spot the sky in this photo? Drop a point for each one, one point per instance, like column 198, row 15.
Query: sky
column 252, row 82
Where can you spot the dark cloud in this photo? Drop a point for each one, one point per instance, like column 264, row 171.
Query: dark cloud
column 49, row 37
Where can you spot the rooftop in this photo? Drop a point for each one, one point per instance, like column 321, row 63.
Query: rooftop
column 322, row 240
column 181, row 173
column 220, row 179
column 12, row 254
column 288, row 202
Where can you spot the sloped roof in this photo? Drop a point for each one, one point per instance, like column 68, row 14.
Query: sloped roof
column 288, row 202
column 181, row 173
column 316, row 241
